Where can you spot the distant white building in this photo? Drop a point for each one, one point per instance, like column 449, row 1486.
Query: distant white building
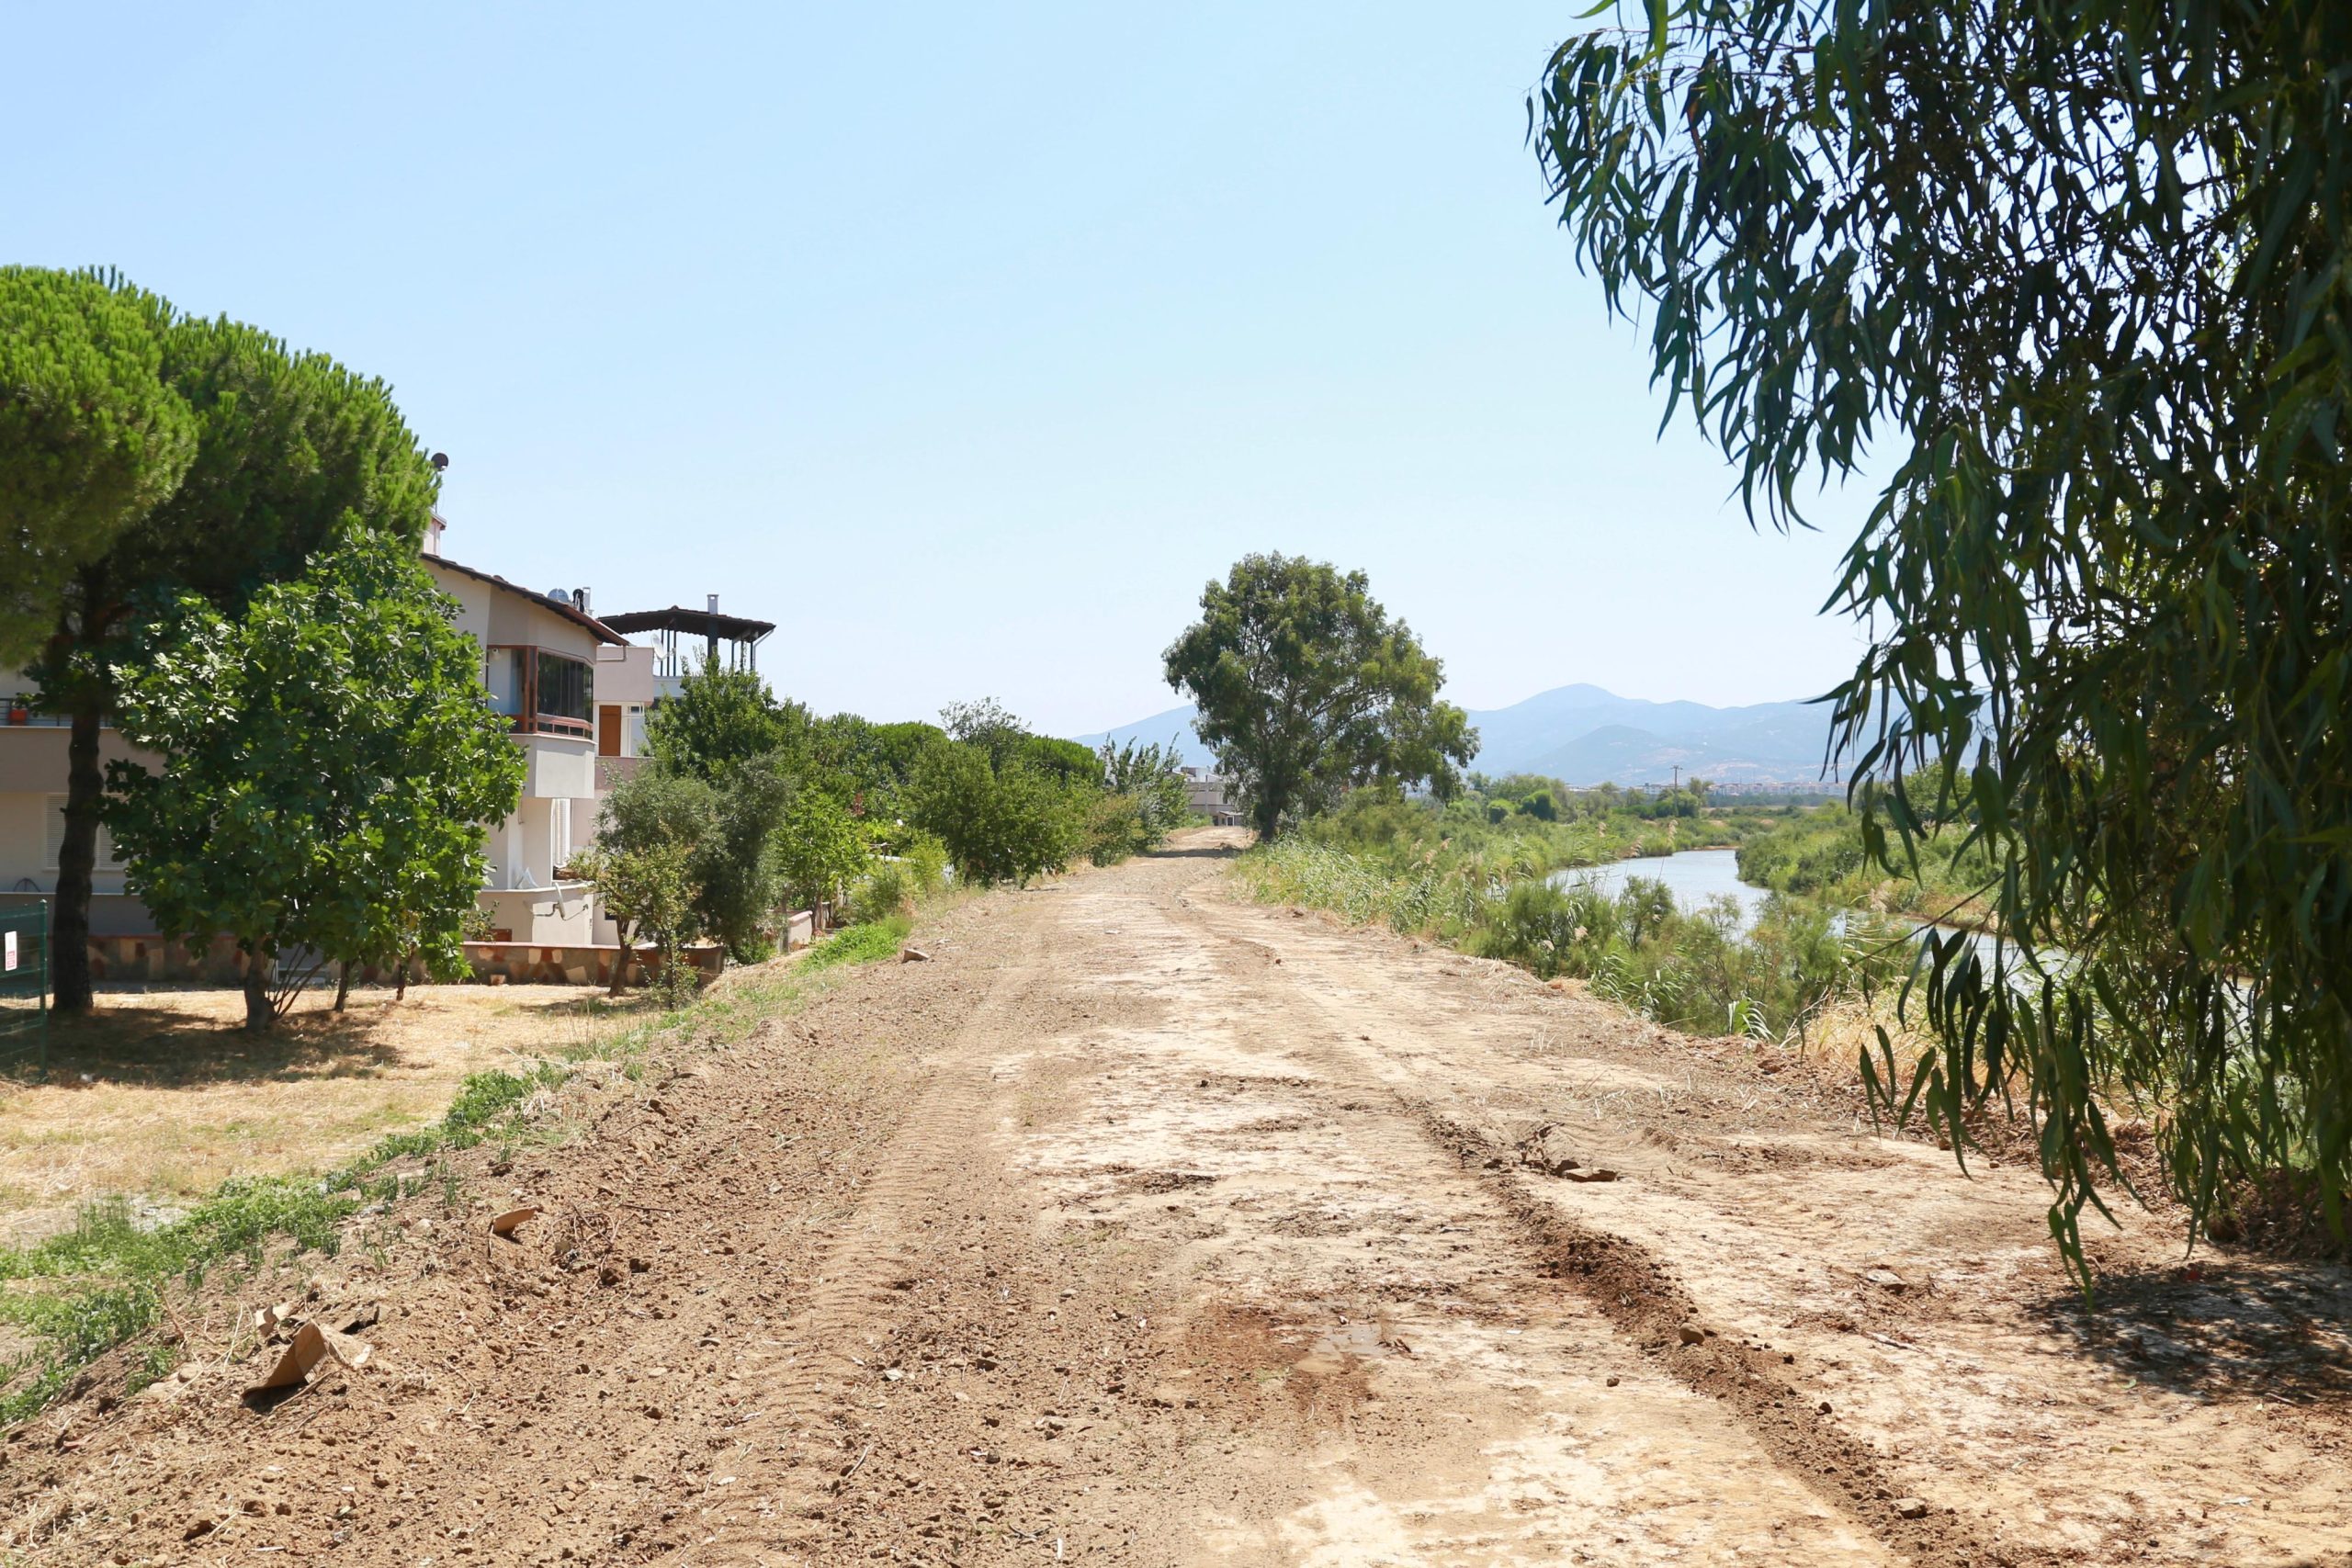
column 1211, row 795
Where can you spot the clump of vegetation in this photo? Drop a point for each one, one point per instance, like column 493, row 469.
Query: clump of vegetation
column 861, row 944
column 1696, row 971
column 1306, row 689
column 1485, row 871
column 1821, row 855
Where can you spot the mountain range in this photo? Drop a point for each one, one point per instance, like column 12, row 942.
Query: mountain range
column 1582, row 735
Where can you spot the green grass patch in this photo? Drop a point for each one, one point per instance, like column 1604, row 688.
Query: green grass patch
column 80, row 1294
column 859, row 945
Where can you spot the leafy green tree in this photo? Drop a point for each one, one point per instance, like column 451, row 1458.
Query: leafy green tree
column 1113, row 828
column 652, row 840
column 90, row 436
column 722, row 719
column 1008, row 826
column 328, row 767
column 869, row 765
column 729, row 832
column 2077, row 276
column 1307, row 688
column 820, row 848
column 292, row 453
column 650, row 891
column 985, row 723
column 1153, row 778
column 738, row 865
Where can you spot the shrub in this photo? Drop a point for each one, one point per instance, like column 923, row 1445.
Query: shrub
column 885, row 894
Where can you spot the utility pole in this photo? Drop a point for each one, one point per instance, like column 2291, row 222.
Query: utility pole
column 1677, row 775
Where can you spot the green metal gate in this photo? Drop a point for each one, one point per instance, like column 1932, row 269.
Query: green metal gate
column 24, row 984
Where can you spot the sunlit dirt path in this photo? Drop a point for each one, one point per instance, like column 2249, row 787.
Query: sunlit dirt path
column 1140, row 1224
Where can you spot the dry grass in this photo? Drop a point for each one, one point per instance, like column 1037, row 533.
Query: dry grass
column 160, row 1097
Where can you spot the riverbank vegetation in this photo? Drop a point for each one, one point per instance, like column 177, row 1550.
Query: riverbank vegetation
column 1481, row 871
column 1819, row 854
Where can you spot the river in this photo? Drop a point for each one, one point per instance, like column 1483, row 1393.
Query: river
column 1694, row 877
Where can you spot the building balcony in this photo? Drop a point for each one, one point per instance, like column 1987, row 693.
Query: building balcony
column 557, row 767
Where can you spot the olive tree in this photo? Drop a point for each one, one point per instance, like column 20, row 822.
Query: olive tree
column 2077, row 277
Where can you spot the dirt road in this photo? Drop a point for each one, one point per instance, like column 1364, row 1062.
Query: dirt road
column 1142, row 1225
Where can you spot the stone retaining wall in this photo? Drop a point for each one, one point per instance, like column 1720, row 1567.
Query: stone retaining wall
column 535, row 964
column 153, row 961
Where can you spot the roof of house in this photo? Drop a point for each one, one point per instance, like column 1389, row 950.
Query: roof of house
column 564, row 607
column 696, row 622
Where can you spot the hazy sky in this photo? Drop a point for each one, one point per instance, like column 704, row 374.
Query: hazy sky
column 965, row 341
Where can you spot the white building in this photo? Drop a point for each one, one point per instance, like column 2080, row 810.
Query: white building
column 542, row 655
column 544, row 660
column 1213, row 797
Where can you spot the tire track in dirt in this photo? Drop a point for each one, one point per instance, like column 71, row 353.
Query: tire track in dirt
column 2198, row 1415
column 1321, row 1225
column 1636, row 1290
column 808, row 1383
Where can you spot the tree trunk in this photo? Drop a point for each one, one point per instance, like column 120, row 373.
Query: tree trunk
column 261, row 1007
column 1268, row 809
column 624, row 930
column 343, row 985
column 77, row 858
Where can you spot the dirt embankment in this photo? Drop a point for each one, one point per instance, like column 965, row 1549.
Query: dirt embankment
column 1141, row 1225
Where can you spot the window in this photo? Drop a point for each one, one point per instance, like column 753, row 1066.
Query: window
column 107, row 860
column 567, row 688
column 503, row 673
column 542, row 691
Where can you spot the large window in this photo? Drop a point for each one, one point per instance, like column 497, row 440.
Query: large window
column 540, row 691
column 567, row 689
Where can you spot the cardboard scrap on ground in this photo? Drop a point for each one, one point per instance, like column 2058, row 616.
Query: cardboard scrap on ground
column 310, row 1346
column 505, row 1223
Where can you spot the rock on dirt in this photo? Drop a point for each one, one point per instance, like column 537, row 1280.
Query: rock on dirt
column 1548, row 1150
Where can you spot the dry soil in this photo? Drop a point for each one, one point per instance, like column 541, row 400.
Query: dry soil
column 1139, row 1224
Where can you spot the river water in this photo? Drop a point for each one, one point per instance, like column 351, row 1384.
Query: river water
column 1694, row 877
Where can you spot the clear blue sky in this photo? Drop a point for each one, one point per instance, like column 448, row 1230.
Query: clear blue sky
column 966, row 342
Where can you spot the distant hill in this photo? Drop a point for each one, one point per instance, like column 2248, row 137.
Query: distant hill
column 1162, row 728
column 1583, row 735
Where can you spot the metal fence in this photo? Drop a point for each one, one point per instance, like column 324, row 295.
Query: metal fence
column 24, row 986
